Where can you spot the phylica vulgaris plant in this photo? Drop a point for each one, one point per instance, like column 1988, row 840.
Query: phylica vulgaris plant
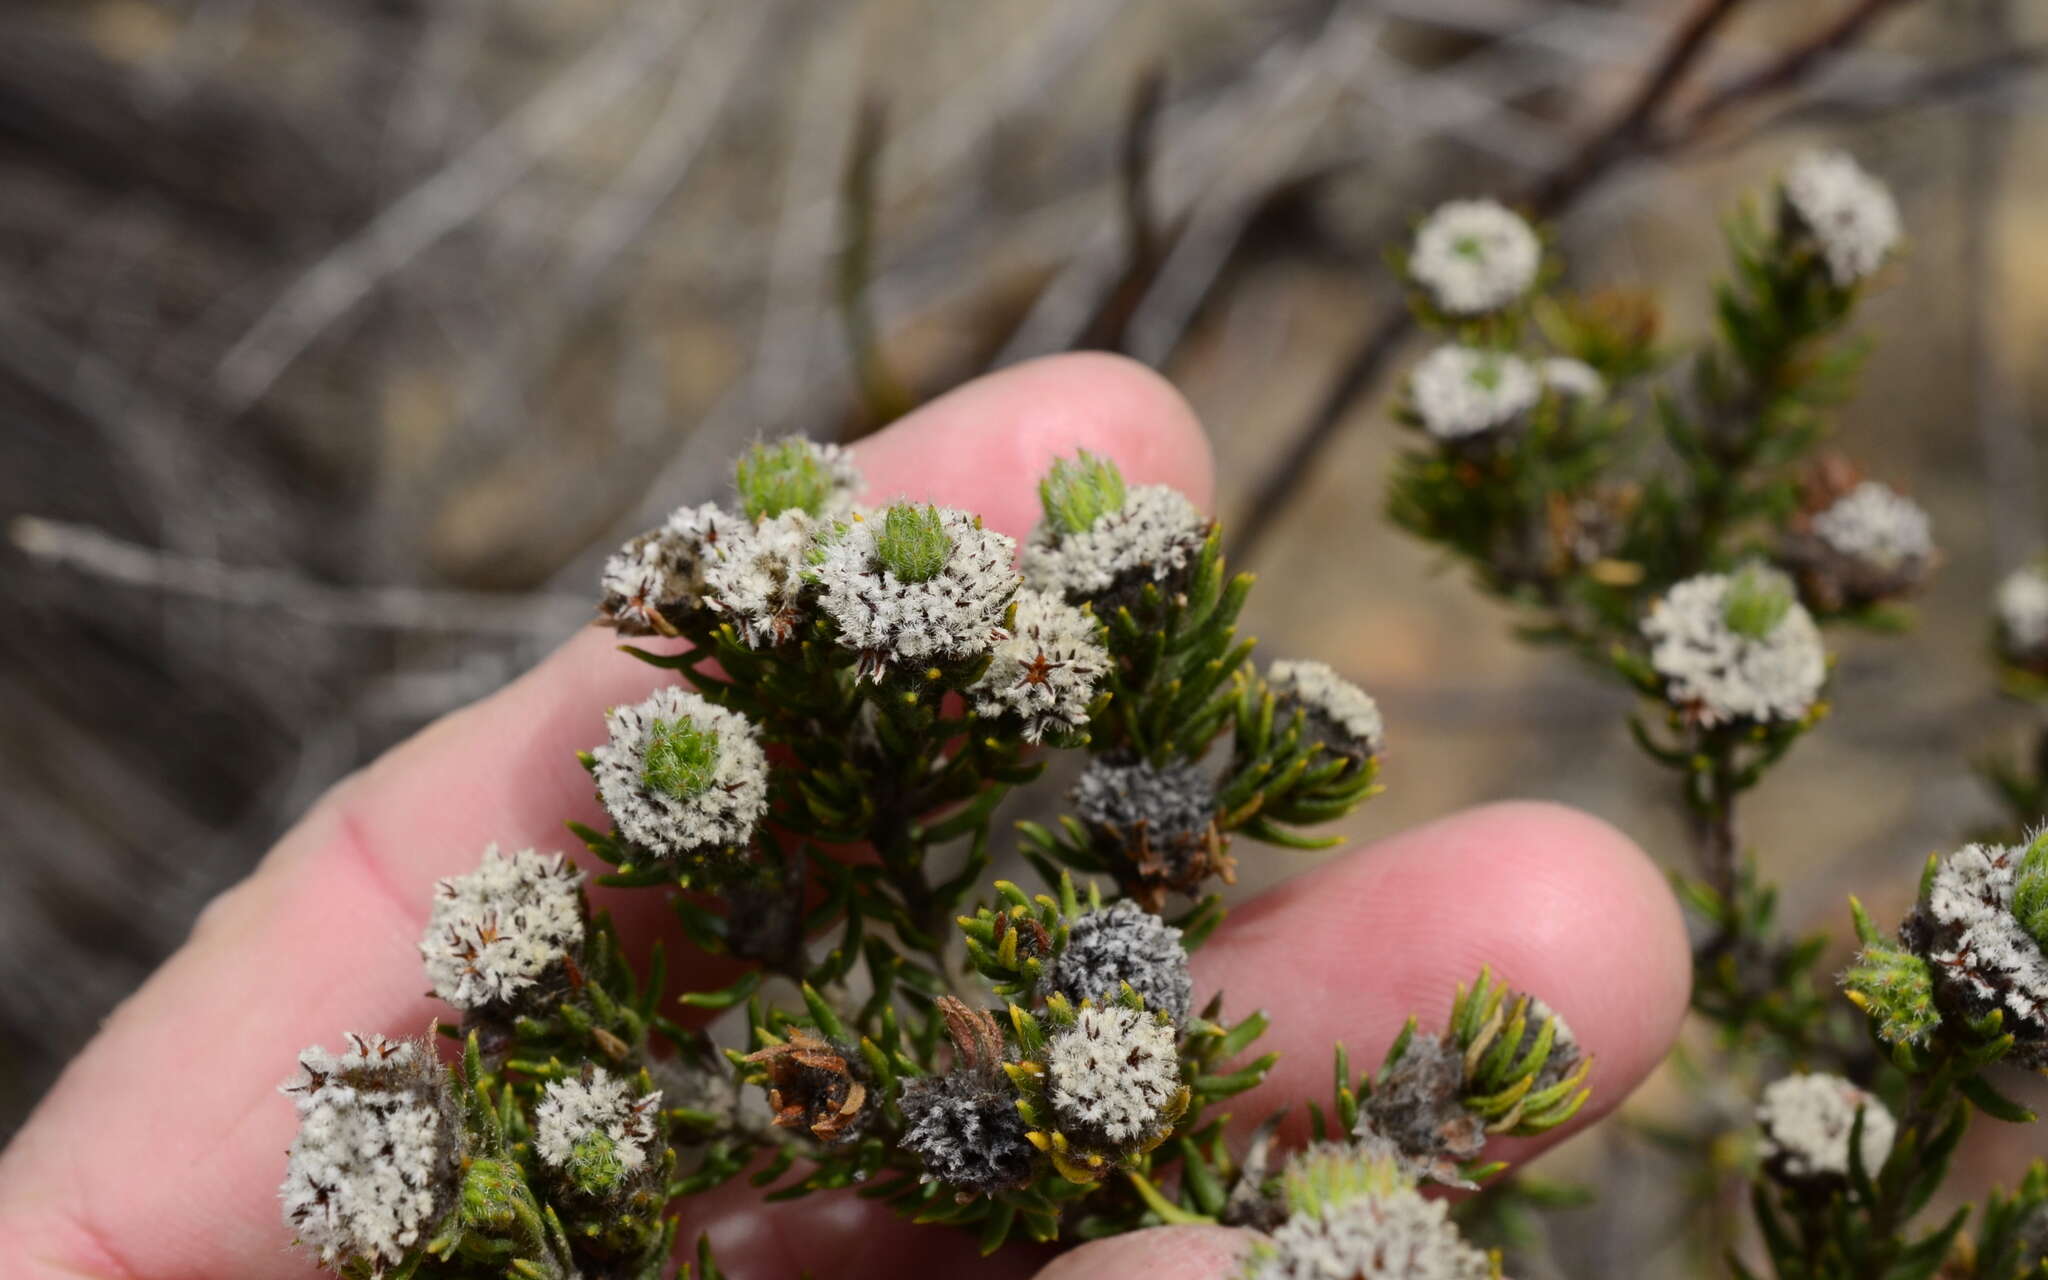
column 1037, row 1065
column 1675, row 522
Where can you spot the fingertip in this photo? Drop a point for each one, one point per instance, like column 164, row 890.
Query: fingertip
column 1157, row 1253
column 1555, row 902
column 985, row 444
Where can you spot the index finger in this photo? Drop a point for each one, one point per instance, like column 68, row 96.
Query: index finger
column 158, row 1152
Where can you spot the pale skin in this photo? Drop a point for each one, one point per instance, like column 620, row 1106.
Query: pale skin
column 159, row 1151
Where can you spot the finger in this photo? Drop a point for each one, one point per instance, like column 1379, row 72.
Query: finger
column 160, row 1149
column 1555, row 902
column 1160, row 1253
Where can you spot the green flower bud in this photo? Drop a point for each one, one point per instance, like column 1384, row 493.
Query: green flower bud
column 594, row 1166
column 789, row 474
column 1328, row 1174
column 1896, row 988
column 1077, row 493
column 495, row 1198
column 2030, row 890
column 1757, row 601
column 681, row 758
column 912, row 542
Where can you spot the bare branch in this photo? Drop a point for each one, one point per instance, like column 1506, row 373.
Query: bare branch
column 103, row 556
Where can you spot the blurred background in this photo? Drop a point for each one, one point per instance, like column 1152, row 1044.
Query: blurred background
column 340, row 341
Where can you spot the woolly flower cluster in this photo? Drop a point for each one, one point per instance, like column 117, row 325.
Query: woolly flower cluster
column 1123, row 943
column 755, row 577
column 1877, row 525
column 1113, row 1074
column 1807, row 1120
column 1340, row 715
column 495, row 931
column 680, row 775
column 1461, row 391
column 965, row 1127
column 1152, row 538
column 1046, row 671
column 1725, row 671
column 1417, row 1118
column 1158, row 805
column 1474, row 256
column 1851, row 216
column 1572, row 378
column 1978, row 946
column 372, row 1170
column 2022, row 608
column 1390, row 1234
column 943, row 599
column 659, row 576
column 596, row 1131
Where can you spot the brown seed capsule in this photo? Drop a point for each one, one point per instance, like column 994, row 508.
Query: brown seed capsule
column 816, row 1087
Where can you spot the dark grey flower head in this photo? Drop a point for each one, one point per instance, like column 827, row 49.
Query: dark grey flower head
column 1153, row 536
column 373, row 1170
column 1417, row 1117
column 915, row 585
column 1122, row 943
column 1156, row 819
column 1339, row 714
column 965, row 1127
column 681, row 775
column 500, row 930
column 655, row 583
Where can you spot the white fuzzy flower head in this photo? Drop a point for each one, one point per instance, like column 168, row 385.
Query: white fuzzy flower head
column 2022, row 607
column 597, row 1133
column 658, row 577
column 372, row 1171
column 915, row 585
column 1046, row 672
column 1114, row 1074
column 1875, row 524
column 1394, row 1234
column 1340, row 715
column 796, row 474
column 1461, row 391
column 1474, row 256
column 681, row 776
column 1573, row 379
column 1154, row 538
column 495, row 932
column 1806, row 1122
column 1972, row 926
column 756, row 576
column 1851, row 216
column 1736, row 647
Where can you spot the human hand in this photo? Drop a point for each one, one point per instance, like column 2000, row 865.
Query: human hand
column 159, row 1151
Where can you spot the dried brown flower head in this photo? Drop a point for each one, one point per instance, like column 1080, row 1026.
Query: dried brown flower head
column 816, row 1087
